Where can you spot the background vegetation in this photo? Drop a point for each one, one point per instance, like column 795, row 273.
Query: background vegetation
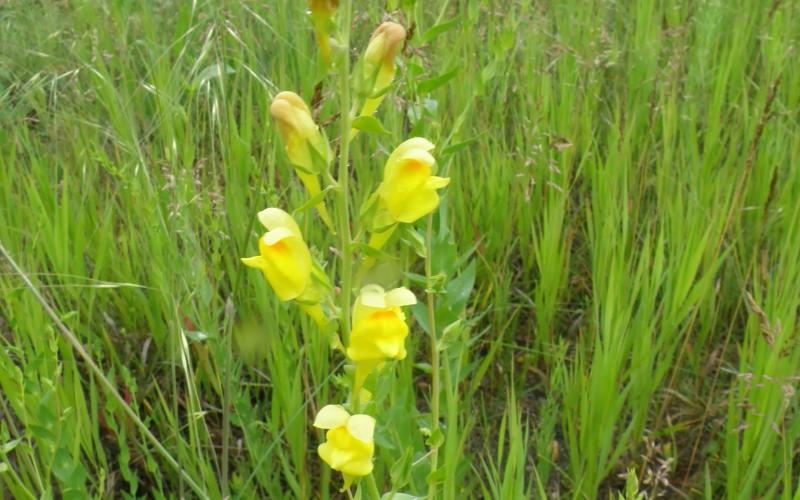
column 625, row 196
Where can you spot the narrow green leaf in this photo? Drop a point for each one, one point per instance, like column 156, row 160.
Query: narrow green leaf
column 438, row 29
column 431, row 84
column 369, row 124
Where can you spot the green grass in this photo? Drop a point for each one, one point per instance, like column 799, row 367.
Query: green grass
column 627, row 173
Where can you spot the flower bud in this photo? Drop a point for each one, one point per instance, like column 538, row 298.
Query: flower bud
column 305, row 144
column 321, row 12
column 378, row 66
column 306, row 147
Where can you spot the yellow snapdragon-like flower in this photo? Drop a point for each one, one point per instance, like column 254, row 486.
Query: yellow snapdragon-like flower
column 379, row 329
column 349, row 445
column 408, row 191
column 378, row 64
column 307, row 148
column 285, row 261
column 284, row 257
column 321, row 12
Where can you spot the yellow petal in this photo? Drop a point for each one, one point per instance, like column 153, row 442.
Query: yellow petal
column 415, row 143
column 287, row 266
column 361, row 427
column 257, row 261
column 316, row 313
column 417, row 155
column 378, row 336
column 408, row 181
column 390, row 348
column 339, row 438
column 340, row 457
column 325, row 452
column 361, row 312
column 357, row 468
column 416, row 205
column 373, row 296
column 401, row 296
column 271, row 238
column 273, row 218
column 331, row 417
column 434, row 182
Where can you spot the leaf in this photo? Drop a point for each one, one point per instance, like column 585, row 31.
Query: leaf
column 420, row 312
column 488, row 72
column 436, row 439
column 414, row 69
column 460, row 288
column 68, row 471
column 424, row 367
column 380, row 92
column 507, row 40
column 369, row 124
column 400, row 471
column 314, row 200
column 450, row 335
column 414, row 239
column 455, row 148
column 431, row 84
column 419, row 279
column 372, row 252
column 438, row 29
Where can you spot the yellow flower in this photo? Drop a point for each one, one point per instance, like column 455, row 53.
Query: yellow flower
column 378, row 64
column 306, row 146
column 408, row 191
column 321, row 12
column 349, row 446
column 379, row 329
column 284, row 257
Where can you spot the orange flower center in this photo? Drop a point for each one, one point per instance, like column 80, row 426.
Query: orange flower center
column 383, row 315
column 414, row 166
column 279, row 246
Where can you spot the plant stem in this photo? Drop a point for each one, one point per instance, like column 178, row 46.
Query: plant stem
column 372, row 486
column 226, row 398
column 435, row 390
column 343, row 178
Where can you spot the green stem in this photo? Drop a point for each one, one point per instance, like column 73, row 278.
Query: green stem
column 372, row 486
column 344, row 176
column 435, row 389
column 226, row 398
